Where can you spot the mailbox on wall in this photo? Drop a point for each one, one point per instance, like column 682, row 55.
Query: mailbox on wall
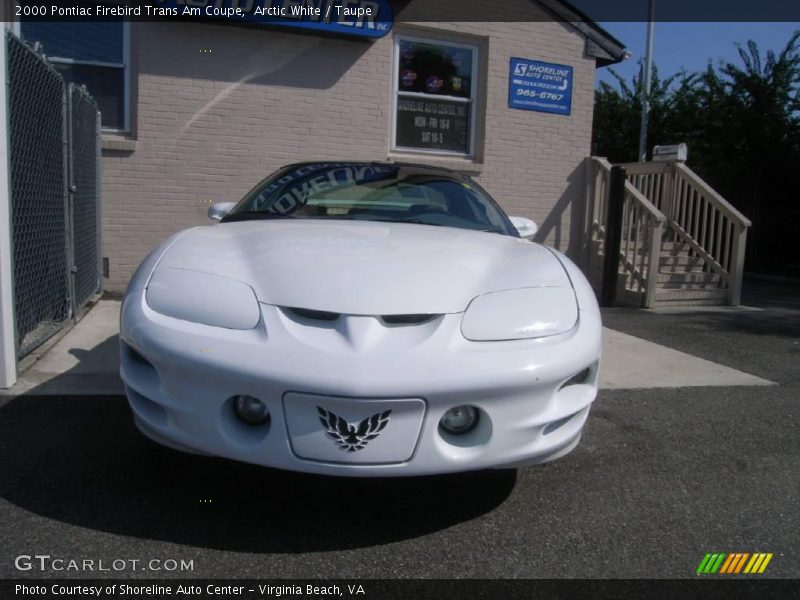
column 671, row 153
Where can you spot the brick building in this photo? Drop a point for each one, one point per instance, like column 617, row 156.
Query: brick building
column 196, row 113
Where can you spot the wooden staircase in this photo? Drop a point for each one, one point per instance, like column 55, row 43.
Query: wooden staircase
column 683, row 278
column 682, row 244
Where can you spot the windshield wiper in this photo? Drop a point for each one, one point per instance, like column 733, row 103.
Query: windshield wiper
column 254, row 215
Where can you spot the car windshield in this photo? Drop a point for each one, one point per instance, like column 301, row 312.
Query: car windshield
column 373, row 192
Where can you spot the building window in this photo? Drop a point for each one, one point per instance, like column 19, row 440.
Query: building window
column 435, row 90
column 93, row 54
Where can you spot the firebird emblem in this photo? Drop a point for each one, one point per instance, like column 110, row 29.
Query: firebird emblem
column 352, row 438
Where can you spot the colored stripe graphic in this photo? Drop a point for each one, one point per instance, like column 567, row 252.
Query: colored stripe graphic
column 703, row 563
column 717, row 564
column 734, row 563
column 764, row 564
column 754, row 564
column 727, row 564
column 739, row 566
column 711, row 563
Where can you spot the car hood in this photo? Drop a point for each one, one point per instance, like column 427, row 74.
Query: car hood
column 358, row 267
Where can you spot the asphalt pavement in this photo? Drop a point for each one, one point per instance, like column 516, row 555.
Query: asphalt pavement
column 661, row 477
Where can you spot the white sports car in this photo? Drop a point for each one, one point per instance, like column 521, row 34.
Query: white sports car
column 362, row 319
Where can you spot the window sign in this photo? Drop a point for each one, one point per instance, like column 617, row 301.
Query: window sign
column 433, row 124
column 435, row 86
column 540, row 86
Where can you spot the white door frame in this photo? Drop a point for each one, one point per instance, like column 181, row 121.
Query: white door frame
column 8, row 350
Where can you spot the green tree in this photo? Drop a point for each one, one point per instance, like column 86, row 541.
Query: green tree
column 618, row 114
column 747, row 142
column 742, row 126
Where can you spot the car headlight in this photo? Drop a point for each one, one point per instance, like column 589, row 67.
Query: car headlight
column 203, row 298
column 520, row 314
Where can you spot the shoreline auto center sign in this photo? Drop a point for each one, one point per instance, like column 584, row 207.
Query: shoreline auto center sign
column 540, row 86
column 359, row 18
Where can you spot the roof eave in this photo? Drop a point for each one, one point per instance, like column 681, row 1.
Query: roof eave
column 600, row 44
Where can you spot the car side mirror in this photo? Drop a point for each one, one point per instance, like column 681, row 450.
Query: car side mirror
column 217, row 211
column 526, row 227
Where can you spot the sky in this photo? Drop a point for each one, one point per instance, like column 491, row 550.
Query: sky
column 691, row 45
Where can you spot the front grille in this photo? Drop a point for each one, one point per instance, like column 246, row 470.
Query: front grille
column 315, row 315
column 326, row 316
column 407, row 319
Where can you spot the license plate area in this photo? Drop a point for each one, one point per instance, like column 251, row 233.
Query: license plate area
column 353, row 430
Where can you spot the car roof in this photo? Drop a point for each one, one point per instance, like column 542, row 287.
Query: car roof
column 383, row 163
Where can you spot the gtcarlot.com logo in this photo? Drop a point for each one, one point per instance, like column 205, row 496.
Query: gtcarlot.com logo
column 734, row 563
column 46, row 562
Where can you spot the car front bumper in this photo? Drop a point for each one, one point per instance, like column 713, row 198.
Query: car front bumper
column 180, row 378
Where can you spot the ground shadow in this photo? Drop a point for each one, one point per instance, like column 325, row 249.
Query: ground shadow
column 80, row 460
column 777, row 295
column 97, row 370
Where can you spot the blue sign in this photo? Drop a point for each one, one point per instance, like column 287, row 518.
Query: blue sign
column 359, row 18
column 540, row 86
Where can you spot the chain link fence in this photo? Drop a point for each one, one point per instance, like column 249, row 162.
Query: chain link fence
column 84, row 176
column 37, row 164
column 54, row 233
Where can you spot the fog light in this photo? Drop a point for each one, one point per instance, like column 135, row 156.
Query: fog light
column 250, row 410
column 459, row 420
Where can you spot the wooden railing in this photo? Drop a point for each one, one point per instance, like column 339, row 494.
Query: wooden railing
column 640, row 251
column 642, row 229
column 598, row 175
column 698, row 216
column 652, row 180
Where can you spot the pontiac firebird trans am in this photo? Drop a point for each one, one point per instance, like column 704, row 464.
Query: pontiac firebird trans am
column 362, row 319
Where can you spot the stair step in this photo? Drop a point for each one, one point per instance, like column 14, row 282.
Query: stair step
column 662, row 258
column 688, row 285
column 667, row 272
column 707, row 296
column 679, row 260
column 663, row 253
column 681, row 269
column 674, row 252
column 670, row 277
column 670, row 246
column 668, row 249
